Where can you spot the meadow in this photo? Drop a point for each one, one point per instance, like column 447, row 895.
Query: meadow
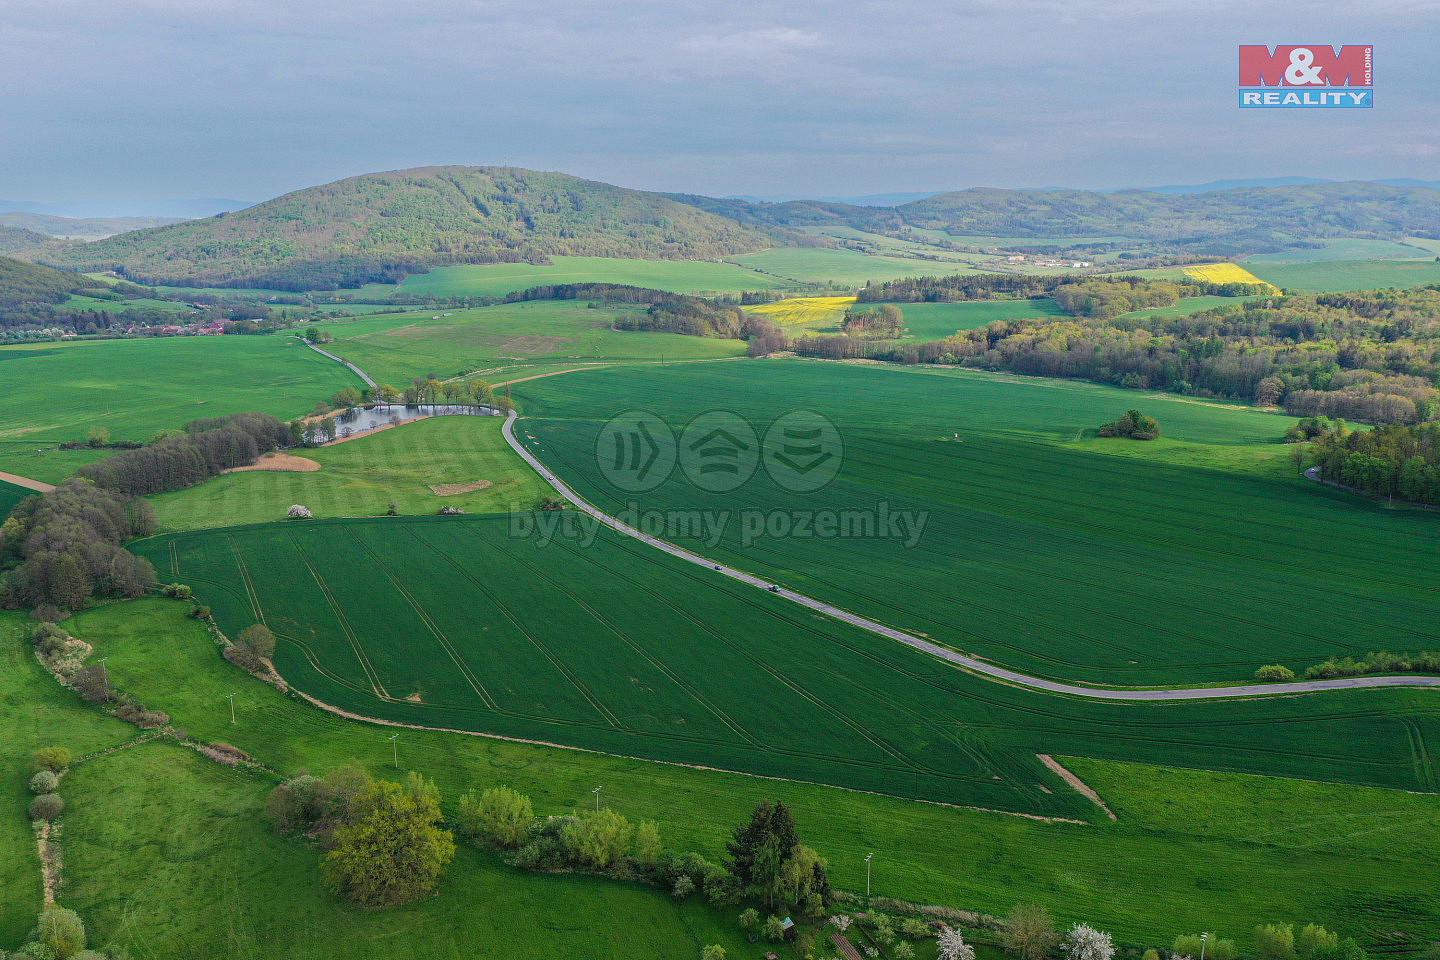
column 935, row 321
column 495, row 341
column 848, row 268
column 1043, row 549
column 1327, row 277
column 363, row 476
column 57, row 392
column 1191, row 849
column 498, row 279
column 1350, row 248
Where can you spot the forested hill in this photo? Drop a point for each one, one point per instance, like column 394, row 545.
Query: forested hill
column 1223, row 222
column 385, row 226
column 23, row 284
column 16, row 239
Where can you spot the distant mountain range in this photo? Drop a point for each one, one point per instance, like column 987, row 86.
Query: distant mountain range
column 170, row 209
column 88, row 228
column 384, row 226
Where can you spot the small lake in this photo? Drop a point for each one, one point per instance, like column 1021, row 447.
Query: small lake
column 359, row 420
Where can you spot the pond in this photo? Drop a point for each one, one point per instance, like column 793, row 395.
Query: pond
column 359, row 420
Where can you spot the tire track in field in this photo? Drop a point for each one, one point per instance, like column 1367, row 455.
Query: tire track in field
column 985, row 668
column 430, row 624
column 339, row 613
column 1424, row 769
column 256, row 610
column 505, row 611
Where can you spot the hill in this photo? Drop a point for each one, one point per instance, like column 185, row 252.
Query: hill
column 86, row 228
column 26, row 283
column 384, row 226
column 17, row 239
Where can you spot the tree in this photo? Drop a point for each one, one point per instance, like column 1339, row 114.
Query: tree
column 503, row 404
column 259, row 639
column 1029, row 932
column 501, row 815
column 902, row 951
column 952, row 946
column 597, row 839
column 98, row 437
column 713, row 952
column 773, row 930
column 61, row 931
column 44, row 781
column 647, row 844
column 481, row 391
column 396, row 849
column 758, row 849
column 1275, row 941
column 748, row 918
column 47, row 806
column 1216, row 948
column 1084, row 942
column 1314, row 942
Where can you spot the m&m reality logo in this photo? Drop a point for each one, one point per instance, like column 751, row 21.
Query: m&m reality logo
column 1313, row 75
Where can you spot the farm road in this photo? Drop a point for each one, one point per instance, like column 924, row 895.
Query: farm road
column 39, row 486
column 353, row 369
column 944, row 653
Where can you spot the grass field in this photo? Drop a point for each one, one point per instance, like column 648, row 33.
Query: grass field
column 1048, row 554
column 841, row 267
column 498, row 279
column 394, row 349
column 1326, row 277
column 816, row 313
column 57, row 392
column 361, row 477
column 76, row 302
column 1187, row 306
column 935, row 321
column 1349, row 248
column 1191, row 850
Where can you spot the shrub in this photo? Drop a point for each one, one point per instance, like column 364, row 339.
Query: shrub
column 61, row 931
column 46, row 631
column 1216, row 948
column 647, row 845
column 1314, row 942
column 1084, row 942
column 773, row 930
column 142, row 718
column 683, row 887
column 448, row 511
column 243, row 657
column 750, row 916
column 903, row 951
column 713, row 952
column 952, row 946
column 1274, row 672
column 47, row 806
column 914, row 928
column 51, row 758
column 880, row 927
column 47, row 613
column 598, row 839
column 93, row 683
column 178, row 591
column 1150, row 954
column 299, row 512
column 44, row 782
column 200, row 613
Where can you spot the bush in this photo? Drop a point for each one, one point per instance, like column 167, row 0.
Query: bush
column 598, row 839
column 61, row 931
column 177, row 591
column 46, row 631
column 1274, row 672
column 142, row 718
column 683, row 887
column 259, row 639
column 1150, row 954
column 451, row 512
column 299, row 512
column 1314, row 942
column 1216, row 948
column 47, row 806
column 749, row 917
column 1029, row 933
column 47, row 613
column 1084, row 942
column 903, row 951
column 1275, row 941
column 713, row 952
column 243, row 657
column 52, row 758
column 647, row 845
column 773, row 930
column 44, row 782
column 914, row 928
column 501, row 815
column 200, row 613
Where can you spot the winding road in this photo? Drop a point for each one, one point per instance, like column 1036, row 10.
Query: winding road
column 981, row 667
column 353, row 369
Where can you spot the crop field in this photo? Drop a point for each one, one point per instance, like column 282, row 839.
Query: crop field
column 788, row 265
column 11, row 495
column 1327, row 277
column 498, row 279
column 1187, row 839
column 394, row 349
column 817, row 313
column 1222, row 273
column 1188, row 306
column 57, row 392
column 609, row 644
column 1350, row 248
column 1050, row 555
column 363, row 476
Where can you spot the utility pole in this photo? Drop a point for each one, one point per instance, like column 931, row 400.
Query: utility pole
column 596, row 791
column 394, row 743
column 231, row 698
column 1203, row 937
column 867, row 879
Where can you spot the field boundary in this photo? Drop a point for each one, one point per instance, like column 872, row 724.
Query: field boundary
column 1079, row 785
column 981, row 667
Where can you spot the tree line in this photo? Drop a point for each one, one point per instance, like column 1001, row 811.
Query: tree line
column 1393, row 460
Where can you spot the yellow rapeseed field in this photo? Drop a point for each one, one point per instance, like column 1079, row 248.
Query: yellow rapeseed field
column 1225, row 273
column 805, row 311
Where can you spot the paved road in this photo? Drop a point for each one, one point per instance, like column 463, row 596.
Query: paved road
column 354, row 369
column 944, row 653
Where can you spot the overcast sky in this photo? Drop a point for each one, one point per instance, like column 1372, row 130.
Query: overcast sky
column 251, row 98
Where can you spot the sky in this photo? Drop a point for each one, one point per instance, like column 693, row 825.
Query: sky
column 249, row 99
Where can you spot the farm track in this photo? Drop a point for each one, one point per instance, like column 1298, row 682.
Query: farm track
column 981, row 667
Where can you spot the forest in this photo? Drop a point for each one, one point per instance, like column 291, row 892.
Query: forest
column 1397, row 461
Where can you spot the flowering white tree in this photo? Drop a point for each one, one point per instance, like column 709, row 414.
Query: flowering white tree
column 953, row 946
column 840, row 922
column 1086, row 943
column 299, row 512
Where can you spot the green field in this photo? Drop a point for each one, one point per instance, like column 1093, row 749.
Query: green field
column 1050, row 555
column 498, row 279
column 846, row 268
column 935, row 321
column 1191, row 850
column 57, row 392
column 1346, row 248
column 11, row 495
column 1187, row 306
column 494, row 340
column 76, row 302
column 361, row 477
column 1325, row 277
